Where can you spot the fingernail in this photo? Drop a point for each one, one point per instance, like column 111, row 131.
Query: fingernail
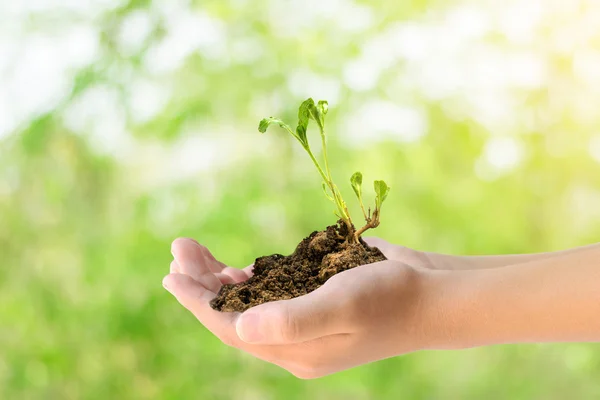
column 248, row 328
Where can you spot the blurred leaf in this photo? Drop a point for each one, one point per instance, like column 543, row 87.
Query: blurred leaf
column 381, row 190
column 323, row 107
column 317, row 112
column 356, row 182
column 303, row 116
column 266, row 122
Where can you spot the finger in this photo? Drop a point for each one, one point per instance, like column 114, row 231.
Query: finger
column 414, row 258
column 174, row 268
column 195, row 297
column 388, row 249
column 217, row 266
column 375, row 241
column 249, row 270
column 236, row 275
column 319, row 313
column 240, row 275
column 192, row 262
column 187, row 290
column 225, row 279
column 211, row 262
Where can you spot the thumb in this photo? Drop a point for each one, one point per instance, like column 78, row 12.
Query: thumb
column 319, row 313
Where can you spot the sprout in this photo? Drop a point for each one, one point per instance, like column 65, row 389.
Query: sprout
column 310, row 111
column 356, row 182
column 381, row 191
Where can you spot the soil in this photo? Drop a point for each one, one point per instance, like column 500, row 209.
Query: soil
column 316, row 259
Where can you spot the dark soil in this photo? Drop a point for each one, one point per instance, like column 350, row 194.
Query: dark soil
column 316, row 259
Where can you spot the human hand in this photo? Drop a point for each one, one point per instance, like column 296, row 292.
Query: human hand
column 406, row 255
column 364, row 314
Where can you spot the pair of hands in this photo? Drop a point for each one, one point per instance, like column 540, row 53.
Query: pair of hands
column 364, row 314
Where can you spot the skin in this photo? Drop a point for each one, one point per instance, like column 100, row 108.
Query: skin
column 413, row 301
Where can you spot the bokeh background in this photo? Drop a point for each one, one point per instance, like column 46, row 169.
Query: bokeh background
column 125, row 124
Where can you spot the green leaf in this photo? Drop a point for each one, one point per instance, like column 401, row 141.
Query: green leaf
column 265, row 123
column 356, row 182
column 303, row 117
column 381, row 190
column 317, row 112
column 323, row 107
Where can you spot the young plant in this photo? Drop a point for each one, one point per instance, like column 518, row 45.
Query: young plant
column 310, row 111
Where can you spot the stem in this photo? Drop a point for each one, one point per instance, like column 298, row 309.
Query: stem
column 362, row 207
column 371, row 223
column 337, row 198
column 349, row 224
column 324, row 144
column 327, row 178
column 314, row 160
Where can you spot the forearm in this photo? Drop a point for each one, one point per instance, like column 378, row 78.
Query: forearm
column 451, row 262
column 550, row 300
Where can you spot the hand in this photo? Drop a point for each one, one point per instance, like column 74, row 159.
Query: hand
column 414, row 258
column 364, row 314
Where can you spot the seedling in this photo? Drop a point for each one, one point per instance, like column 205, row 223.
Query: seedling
column 321, row 254
column 317, row 112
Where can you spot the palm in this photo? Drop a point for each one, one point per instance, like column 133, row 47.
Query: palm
column 196, row 277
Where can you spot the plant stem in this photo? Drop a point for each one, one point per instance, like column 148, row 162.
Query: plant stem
column 336, row 194
column 324, row 144
column 344, row 214
column 314, row 160
column 337, row 199
column 362, row 207
column 371, row 223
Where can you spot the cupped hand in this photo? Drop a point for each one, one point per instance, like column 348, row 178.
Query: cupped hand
column 364, row 314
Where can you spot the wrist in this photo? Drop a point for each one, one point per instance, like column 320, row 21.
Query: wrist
column 448, row 308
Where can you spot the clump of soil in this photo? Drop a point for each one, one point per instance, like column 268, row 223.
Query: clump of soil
column 316, row 259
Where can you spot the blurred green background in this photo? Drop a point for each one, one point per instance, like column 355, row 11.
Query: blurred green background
column 125, row 124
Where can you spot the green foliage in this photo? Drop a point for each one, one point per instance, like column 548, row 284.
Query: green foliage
column 323, row 107
column 356, row 182
column 308, row 110
column 381, row 191
column 318, row 112
column 303, row 117
column 265, row 123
